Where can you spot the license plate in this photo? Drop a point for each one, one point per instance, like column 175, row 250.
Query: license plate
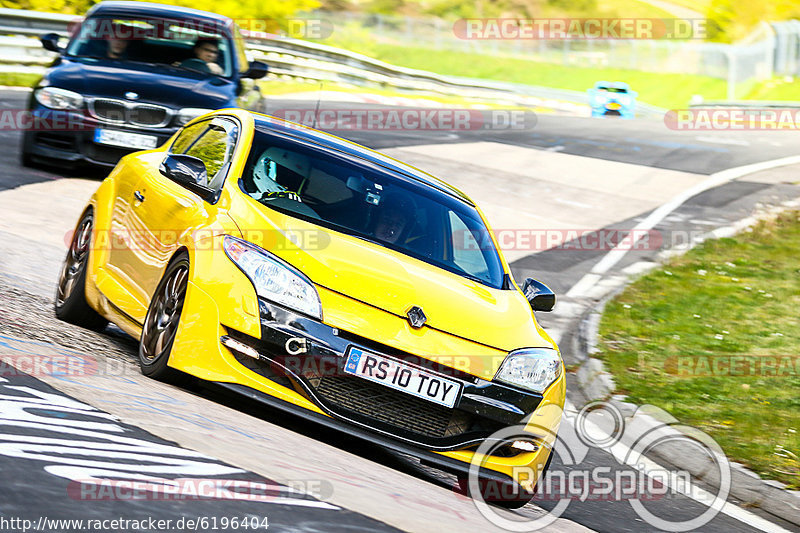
column 125, row 139
column 614, row 106
column 402, row 377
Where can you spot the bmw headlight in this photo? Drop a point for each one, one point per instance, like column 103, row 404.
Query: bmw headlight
column 531, row 368
column 56, row 98
column 274, row 280
column 187, row 114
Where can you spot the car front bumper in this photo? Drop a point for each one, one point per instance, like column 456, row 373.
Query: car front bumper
column 70, row 139
column 221, row 303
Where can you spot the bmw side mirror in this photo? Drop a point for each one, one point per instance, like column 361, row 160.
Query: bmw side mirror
column 50, row 42
column 256, row 71
column 539, row 295
column 188, row 171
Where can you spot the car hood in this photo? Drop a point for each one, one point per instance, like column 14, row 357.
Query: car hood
column 458, row 308
column 160, row 84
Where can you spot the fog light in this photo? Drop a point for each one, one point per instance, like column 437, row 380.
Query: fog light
column 240, row 347
column 524, row 445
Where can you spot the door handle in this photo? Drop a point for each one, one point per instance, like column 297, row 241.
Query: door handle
column 139, row 196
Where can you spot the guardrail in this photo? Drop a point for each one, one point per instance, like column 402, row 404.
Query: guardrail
column 747, row 104
column 293, row 58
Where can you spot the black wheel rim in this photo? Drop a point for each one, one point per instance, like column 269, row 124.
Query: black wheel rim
column 75, row 261
column 162, row 319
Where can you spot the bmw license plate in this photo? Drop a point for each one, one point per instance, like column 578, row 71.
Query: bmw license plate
column 402, row 377
column 125, row 139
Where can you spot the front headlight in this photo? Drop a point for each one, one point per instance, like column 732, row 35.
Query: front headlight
column 56, row 98
column 531, row 368
column 187, row 114
column 273, row 279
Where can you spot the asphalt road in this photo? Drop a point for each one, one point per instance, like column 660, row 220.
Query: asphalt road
column 25, row 314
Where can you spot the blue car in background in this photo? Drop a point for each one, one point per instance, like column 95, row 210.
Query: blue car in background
column 612, row 99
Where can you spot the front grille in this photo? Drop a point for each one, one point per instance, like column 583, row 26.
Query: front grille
column 148, row 115
column 110, row 111
column 391, row 407
column 122, row 112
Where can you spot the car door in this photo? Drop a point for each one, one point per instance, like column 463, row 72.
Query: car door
column 163, row 211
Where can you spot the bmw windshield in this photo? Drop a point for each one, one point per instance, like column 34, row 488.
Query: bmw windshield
column 188, row 45
column 367, row 201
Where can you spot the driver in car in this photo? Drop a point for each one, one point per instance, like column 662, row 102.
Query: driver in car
column 205, row 57
column 117, row 48
column 395, row 218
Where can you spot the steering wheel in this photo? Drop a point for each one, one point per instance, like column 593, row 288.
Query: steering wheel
column 196, row 64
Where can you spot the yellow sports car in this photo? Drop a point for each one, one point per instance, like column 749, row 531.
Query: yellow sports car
column 325, row 279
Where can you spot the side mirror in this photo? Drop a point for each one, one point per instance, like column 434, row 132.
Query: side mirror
column 539, row 295
column 256, row 71
column 50, row 42
column 188, row 171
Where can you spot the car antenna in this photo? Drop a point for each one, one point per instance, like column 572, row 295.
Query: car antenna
column 316, row 109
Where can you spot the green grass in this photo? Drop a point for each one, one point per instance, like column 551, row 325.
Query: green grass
column 735, row 296
column 778, row 89
column 665, row 90
column 279, row 87
column 16, row 79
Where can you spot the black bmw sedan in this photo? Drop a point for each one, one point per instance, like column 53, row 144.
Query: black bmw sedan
column 131, row 74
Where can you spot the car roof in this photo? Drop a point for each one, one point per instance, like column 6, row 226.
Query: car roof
column 612, row 84
column 271, row 125
column 152, row 10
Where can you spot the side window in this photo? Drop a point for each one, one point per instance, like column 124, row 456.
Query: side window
column 467, row 253
column 213, row 142
column 187, row 136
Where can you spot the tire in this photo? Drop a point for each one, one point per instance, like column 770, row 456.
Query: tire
column 25, row 158
column 161, row 323
column 70, row 301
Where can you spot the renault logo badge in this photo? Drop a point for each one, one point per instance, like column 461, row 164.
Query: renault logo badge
column 416, row 317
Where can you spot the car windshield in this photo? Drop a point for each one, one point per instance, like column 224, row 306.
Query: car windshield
column 613, row 89
column 186, row 45
column 370, row 202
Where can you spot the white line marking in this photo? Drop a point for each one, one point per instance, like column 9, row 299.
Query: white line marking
column 573, row 203
column 718, row 140
column 620, row 451
column 714, row 180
